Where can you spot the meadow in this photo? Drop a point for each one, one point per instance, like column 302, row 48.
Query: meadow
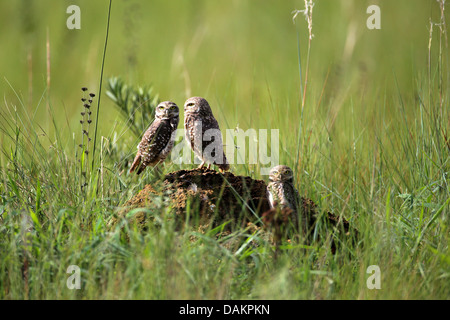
column 363, row 118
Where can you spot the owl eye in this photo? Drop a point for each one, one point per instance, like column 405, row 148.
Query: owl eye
column 172, row 108
column 286, row 171
column 191, row 104
column 161, row 108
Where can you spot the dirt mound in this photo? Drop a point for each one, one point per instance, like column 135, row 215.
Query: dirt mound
column 217, row 197
column 229, row 196
column 220, row 198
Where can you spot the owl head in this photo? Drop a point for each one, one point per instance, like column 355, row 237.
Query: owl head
column 281, row 174
column 197, row 105
column 167, row 110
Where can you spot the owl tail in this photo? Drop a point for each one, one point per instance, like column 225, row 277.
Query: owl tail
column 136, row 163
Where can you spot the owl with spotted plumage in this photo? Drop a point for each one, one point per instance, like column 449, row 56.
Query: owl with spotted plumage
column 159, row 138
column 203, row 133
column 282, row 193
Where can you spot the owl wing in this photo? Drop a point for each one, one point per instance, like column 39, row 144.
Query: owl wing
column 270, row 196
column 153, row 142
column 211, row 123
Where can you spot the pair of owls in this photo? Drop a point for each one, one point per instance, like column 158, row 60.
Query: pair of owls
column 159, row 138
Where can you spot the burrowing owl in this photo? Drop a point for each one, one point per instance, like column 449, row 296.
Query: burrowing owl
column 203, row 133
column 159, row 138
column 281, row 190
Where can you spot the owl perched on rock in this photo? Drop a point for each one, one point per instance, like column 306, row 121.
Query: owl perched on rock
column 159, row 138
column 282, row 193
column 203, row 133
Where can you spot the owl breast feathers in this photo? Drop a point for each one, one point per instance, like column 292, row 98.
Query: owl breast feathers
column 281, row 191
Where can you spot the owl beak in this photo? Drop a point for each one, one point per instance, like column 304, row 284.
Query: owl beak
column 166, row 113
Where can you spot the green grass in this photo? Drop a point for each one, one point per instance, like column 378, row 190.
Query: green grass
column 373, row 139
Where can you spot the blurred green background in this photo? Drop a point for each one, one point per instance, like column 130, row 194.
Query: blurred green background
column 240, row 55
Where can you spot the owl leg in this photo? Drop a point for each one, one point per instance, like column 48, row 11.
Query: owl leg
column 201, row 165
column 209, row 166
